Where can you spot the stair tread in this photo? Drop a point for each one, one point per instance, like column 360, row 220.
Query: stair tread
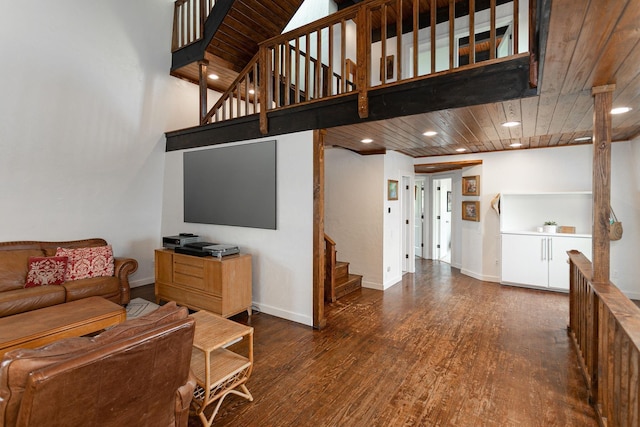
column 352, row 284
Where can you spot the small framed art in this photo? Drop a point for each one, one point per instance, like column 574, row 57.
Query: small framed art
column 471, row 211
column 471, row 185
column 392, row 189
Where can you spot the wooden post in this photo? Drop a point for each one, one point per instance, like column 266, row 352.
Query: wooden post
column 202, row 70
column 263, row 88
column 362, row 53
column 601, row 180
column 319, row 320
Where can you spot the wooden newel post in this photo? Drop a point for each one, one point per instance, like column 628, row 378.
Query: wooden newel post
column 602, row 102
column 202, row 75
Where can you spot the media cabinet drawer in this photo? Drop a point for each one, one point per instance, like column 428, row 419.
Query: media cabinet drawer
column 191, row 299
column 188, row 260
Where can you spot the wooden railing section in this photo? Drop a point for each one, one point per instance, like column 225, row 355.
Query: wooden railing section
column 189, row 17
column 330, row 259
column 344, row 52
column 240, row 99
column 605, row 327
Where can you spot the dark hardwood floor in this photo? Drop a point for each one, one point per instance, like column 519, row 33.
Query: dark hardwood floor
column 439, row 349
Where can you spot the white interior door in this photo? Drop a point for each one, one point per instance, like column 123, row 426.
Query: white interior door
column 437, row 230
column 446, row 205
column 407, row 227
column 442, row 197
column 418, row 218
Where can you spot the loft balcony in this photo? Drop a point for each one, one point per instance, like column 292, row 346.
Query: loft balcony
column 371, row 61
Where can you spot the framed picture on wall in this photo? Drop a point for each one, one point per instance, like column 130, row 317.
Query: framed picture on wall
column 471, row 185
column 471, row 211
column 392, row 189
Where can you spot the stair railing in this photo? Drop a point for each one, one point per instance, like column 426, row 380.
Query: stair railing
column 189, row 17
column 322, row 59
column 330, row 260
column 605, row 328
column 240, row 99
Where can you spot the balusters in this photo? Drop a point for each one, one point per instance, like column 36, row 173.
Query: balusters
column 338, row 54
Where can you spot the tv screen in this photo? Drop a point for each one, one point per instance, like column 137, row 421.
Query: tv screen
column 233, row 185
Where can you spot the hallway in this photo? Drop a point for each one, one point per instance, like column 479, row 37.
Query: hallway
column 438, row 349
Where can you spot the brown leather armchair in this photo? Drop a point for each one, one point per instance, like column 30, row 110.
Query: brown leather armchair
column 135, row 374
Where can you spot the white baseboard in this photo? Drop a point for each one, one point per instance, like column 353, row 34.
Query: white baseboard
column 389, row 283
column 372, row 285
column 478, row 276
column 141, row 282
column 284, row 314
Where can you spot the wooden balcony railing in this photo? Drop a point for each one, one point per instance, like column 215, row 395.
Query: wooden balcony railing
column 344, row 52
column 605, row 327
column 189, row 17
column 330, row 260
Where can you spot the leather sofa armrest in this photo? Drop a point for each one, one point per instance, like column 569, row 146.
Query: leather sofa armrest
column 123, row 268
column 184, row 394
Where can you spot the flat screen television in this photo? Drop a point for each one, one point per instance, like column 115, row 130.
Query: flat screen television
column 234, row 185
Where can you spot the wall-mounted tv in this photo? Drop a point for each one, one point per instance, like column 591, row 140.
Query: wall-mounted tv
column 233, row 185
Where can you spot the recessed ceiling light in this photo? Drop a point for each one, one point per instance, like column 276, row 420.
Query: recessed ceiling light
column 583, row 138
column 515, row 145
column 251, row 91
column 367, row 141
column 214, row 76
column 510, row 124
column 430, row 167
column 620, row 110
column 430, row 133
column 460, row 150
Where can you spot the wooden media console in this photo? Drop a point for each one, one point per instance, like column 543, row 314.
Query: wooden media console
column 219, row 285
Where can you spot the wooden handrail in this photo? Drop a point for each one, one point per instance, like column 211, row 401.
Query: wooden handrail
column 605, row 328
column 244, row 79
column 310, row 63
column 330, row 260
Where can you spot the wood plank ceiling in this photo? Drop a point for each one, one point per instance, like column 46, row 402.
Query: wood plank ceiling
column 590, row 43
column 246, row 25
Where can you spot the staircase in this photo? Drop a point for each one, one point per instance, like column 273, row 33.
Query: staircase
column 338, row 282
column 345, row 282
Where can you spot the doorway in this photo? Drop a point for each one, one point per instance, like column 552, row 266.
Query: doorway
column 442, row 203
column 418, row 218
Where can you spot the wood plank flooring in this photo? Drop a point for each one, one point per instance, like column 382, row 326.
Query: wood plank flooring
column 438, row 349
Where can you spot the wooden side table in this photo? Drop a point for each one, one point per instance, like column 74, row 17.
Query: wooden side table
column 219, row 371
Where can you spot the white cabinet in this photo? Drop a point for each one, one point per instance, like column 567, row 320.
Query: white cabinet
column 531, row 258
column 540, row 260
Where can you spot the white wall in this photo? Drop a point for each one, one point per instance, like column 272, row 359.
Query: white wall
column 282, row 259
column 354, row 205
column 366, row 226
column 310, row 11
column 397, row 166
column 625, row 201
column 86, row 98
column 549, row 170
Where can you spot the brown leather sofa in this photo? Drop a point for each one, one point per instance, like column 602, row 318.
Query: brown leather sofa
column 135, row 374
column 15, row 298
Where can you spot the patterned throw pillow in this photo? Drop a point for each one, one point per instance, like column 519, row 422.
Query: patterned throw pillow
column 88, row 262
column 46, row 271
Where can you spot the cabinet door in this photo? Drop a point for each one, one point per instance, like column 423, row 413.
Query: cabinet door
column 524, row 260
column 559, row 260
